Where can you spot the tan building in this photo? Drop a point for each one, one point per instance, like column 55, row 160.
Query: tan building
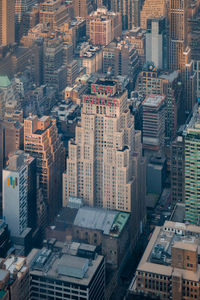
column 105, row 159
column 179, row 57
column 170, row 267
column 82, row 8
column 152, row 9
column 15, row 279
column 153, row 81
column 42, row 141
column 137, row 37
column 55, row 13
column 103, row 26
column 7, row 22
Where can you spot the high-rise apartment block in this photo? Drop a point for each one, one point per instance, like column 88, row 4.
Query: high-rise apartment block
column 156, row 42
column 192, row 153
column 7, row 22
column 103, row 26
column 42, row 141
column 153, row 122
column 169, row 268
column 19, row 192
column 152, row 9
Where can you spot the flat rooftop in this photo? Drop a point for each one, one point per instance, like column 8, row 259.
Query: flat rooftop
column 157, row 256
column 68, row 268
column 153, row 101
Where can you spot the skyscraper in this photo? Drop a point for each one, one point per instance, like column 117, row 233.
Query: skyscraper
column 42, row 141
column 82, row 8
column 129, row 10
column 7, row 22
column 156, row 42
column 19, row 193
column 11, row 139
column 152, row 9
column 179, row 57
column 103, row 166
column 192, row 169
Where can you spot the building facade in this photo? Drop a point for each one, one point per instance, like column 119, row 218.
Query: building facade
column 19, row 193
column 42, row 141
column 192, row 193
column 170, row 270
column 7, row 22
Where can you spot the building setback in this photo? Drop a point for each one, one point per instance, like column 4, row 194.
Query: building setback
column 42, row 141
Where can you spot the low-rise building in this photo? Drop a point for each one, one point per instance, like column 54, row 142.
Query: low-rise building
column 170, row 266
column 66, row 272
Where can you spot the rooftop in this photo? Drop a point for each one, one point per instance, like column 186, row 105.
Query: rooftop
column 4, row 81
column 108, row 221
column 153, row 101
column 66, row 267
column 157, row 257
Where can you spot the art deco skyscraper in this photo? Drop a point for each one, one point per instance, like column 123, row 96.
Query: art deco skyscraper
column 42, row 141
column 7, row 22
column 101, row 166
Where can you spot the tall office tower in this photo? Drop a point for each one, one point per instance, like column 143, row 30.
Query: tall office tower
column 121, row 58
column 153, row 81
column 21, row 6
column 193, row 27
column 55, row 13
column 179, row 57
column 153, row 123
column 7, row 22
column 103, row 26
column 19, row 192
column 105, row 167
column 42, row 141
column 82, row 8
column 156, row 42
column 192, row 192
column 177, row 169
column 55, row 73
column 169, row 268
column 129, row 11
column 11, row 139
column 152, row 9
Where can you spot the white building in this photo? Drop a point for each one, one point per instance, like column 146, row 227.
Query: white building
column 15, row 192
column 155, row 42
